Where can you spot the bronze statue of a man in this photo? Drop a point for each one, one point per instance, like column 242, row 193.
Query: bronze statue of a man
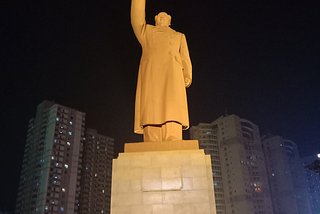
column 161, row 110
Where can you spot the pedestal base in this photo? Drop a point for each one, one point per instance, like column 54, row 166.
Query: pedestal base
column 162, row 182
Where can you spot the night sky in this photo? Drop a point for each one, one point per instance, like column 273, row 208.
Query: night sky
column 259, row 60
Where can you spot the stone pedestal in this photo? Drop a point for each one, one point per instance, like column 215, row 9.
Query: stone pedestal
column 162, row 178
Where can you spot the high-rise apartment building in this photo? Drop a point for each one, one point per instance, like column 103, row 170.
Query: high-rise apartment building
column 207, row 135
column 286, row 176
column 52, row 164
column 238, row 166
column 50, row 177
column 313, row 184
column 96, row 174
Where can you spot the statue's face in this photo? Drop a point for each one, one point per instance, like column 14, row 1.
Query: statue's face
column 163, row 19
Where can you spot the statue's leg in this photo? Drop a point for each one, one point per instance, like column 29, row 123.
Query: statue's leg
column 171, row 131
column 152, row 133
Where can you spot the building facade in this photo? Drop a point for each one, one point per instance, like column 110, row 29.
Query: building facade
column 50, row 180
column 313, row 184
column 207, row 135
column 238, row 166
column 96, row 175
column 286, row 176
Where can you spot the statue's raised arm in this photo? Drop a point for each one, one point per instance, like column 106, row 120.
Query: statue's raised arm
column 138, row 17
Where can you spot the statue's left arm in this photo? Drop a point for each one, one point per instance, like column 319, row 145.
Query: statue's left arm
column 186, row 62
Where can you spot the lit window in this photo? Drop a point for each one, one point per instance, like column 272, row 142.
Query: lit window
column 101, row 211
column 55, row 140
column 78, row 205
column 258, row 189
column 66, row 166
column 55, row 177
column 55, row 182
column 52, row 202
column 273, row 174
column 87, row 168
column 96, row 175
column 70, row 133
column 215, row 184
column 63, row 189
column 70, row 122
column 57, row 164
column 97, row 147
column 57, row 119
column 46, row 207
column 68, row 143
column 52, row 157
column 92, row 137
column 84, row 138
column 61, row 208
column 103, row 191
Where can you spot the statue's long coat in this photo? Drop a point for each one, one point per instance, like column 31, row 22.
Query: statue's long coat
column 165, row 63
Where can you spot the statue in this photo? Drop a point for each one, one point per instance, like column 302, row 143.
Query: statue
column 161, row 109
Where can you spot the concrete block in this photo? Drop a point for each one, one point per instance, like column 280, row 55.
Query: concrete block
column 126, row 199
column 161, row 146
column 124, row 161
column 172, row 197
column 141, row 161
column 187, row 184
column 162, row 209
column 208, row 160
column 143, row 209
column 121, row 186
column 151, row 173
column 151, row 198
column 171, row 172
column 195, row 196
column 200, row 183
column 126, row 173
column 198, row 159
column 151, row 185
column 209, row 171
column 194, row 171
column 210, row 183
column 183, row 209
column 114, row 164
column 201, row 208
column 171, row 184
column 136, row 186
column 121, row 210
column 211, row 197
column 162, row 182
column 161, row 160
column 181, row 159
column 171, row 153
column 199, row 151
column 213, row 209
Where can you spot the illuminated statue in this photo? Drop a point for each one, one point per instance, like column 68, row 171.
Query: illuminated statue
column 161, row 110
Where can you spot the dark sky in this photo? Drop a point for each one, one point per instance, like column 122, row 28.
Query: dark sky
column 259, row 60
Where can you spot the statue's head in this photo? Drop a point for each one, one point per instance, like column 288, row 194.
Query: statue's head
column 163, row 19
